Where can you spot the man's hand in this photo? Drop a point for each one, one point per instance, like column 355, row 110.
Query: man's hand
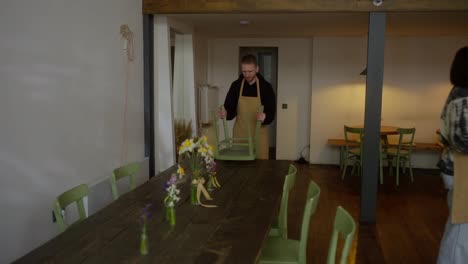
column 221, row 113
column 261, row 116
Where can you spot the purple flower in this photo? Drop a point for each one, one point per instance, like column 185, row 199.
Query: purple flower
column 211, row 167
column 146, row 215
column 171, row 181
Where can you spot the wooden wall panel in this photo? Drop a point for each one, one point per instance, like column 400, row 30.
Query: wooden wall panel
column 286, row 6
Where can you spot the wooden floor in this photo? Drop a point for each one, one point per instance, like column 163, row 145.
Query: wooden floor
column 410, row 218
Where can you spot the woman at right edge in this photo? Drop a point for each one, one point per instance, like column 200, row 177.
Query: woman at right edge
column 454, row 137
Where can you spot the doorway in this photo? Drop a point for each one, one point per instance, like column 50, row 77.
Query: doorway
column 267, row 59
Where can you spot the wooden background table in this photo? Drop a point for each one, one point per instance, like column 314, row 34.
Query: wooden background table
column 231, row 233
column 384, row 130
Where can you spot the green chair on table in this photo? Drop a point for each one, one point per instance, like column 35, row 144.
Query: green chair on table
column 279, row 250
column 353, row 149
column 236, row 148
column 75, row 194
column 279, row 227
column 345, row 226
column 129, row 171
column 402, row 153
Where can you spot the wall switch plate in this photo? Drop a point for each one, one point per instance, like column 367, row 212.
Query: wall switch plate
column 285, row 106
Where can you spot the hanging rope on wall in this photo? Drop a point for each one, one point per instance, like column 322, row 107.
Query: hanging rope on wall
column 129, row 56
column 127, row 34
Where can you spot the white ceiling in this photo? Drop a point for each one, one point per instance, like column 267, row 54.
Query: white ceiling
column 324, row 24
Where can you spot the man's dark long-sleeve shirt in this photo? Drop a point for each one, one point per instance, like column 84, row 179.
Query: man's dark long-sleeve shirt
column 267, row 97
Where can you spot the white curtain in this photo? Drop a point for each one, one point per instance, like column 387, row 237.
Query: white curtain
column 183, row 83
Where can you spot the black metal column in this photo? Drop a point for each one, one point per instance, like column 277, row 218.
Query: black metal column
column 373, row 109
column 148, row 69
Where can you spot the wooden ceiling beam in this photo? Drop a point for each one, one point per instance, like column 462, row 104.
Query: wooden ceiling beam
column 296, row 6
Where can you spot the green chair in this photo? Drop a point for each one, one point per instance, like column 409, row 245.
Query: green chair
column 353, row 149
column 279, row 227
column 279, row 250
column 236, row 148
column 352, row 152
column 75, row 194
column 128, row 170
column 344, row 225
column 402, row 153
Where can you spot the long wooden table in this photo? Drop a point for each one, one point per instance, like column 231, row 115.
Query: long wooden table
column 231, row 233
column 337, row 142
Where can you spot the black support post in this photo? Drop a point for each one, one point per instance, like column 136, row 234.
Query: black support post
column 373, row 109
column 148, row 72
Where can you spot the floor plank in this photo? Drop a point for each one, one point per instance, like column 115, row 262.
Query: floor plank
column 410, row 218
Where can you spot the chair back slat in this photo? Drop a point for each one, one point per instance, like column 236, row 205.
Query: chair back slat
column 353, row 135
column 313, row 195
column 289, row 181
column 406, row 138
column 216, row 134
column 225, row 128
column 345, row 225
column 236, row 148
column 76, row 194
column 129, row 170
column 257, row 132
column 73, row 195
column 357, row 133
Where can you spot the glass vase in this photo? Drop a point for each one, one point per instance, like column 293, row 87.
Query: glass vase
column 193, row 194
column 167, row 213
column 171, row 213
column 144, row 242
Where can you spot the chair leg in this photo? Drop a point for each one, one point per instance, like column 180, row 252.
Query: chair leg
column 345, row 165
column 410, row 169
column 398, row 170
column 390, row 166
column 381, row 168
column 341, row 158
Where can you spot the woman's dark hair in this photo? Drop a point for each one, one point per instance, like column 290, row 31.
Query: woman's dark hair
column 249, row 59
column 459, row 70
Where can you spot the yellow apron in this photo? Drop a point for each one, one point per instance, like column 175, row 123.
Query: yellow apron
column 245, row 105
column 460, row 188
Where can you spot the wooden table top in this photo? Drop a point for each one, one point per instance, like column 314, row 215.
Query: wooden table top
column 384, row 130
column 231, row 233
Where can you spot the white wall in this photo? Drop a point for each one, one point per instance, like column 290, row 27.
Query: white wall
column 200, row 53
column 61, row 108
column 416, row 84
column 294, row 68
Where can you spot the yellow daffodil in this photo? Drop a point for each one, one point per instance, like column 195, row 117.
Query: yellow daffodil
column 210, row 150
column 187, row 145
column 180, row 171
column 203, row 151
